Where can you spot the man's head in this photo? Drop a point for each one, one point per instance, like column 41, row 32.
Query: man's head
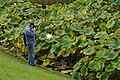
column 31, row 25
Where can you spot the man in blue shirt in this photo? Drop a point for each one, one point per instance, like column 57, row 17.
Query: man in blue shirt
column 29, row 33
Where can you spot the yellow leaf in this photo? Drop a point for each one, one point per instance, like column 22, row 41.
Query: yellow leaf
column 83, row 37
column 84, row 11
column 19, row 45
column 60, row 12
column 84, row 59
column 60, row 53
column 18, row 17
column 46, row 62
column 23, row 48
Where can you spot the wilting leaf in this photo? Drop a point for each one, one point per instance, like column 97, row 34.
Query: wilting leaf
column 46, row 62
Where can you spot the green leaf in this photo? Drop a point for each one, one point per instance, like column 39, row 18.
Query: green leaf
column 117, row 32
column 60, row 32
column 98, row 75
column 82, row 45
column 14, row 21
column 2, row 3
column 55, row 49
column 67, row 30
column 88, row 31
column 52, row 56
column 110, row 23
column 103, row 27
column 66, row 53
column 77, row 66
column 42, row 36
column 57, row 23
column 20, row 6
column 38, row 22
column 6, row 21
column 23, row 24
column 61, row 41
column 115, row 44
column 89, row 51
column 99, row 34
column 49, row 26
column 105, row 76
column 109, row 68
column 115, row 62
column 112, row 55
column 69, row 17
column 76, row 76
column 84, row 70
column 76, row 27
column 95, row 65
column 45, row 46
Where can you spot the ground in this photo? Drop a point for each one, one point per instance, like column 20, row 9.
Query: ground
column 13, row 69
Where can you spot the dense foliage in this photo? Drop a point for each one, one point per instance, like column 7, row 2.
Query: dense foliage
column 83, row 36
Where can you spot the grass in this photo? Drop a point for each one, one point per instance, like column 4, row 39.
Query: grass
column 13, row 69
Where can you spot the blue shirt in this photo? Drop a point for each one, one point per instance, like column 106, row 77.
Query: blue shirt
column 29, row 34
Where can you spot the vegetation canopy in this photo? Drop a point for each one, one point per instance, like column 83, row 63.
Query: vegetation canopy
column 82, row 37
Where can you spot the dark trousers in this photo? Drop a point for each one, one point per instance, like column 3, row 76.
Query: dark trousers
column 31, row 48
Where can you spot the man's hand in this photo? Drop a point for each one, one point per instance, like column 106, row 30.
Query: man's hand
column 34, row 28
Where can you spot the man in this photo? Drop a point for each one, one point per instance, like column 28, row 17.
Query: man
column 29, row 33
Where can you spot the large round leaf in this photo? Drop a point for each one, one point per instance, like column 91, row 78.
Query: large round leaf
column 99, row 34
column 89, row 51
column 95, row 65
column 76, row 27
column 60, row 32
column 37, row 22
column 110, row 23
column 66, row 53
column 46, row 62
column 49, row 26
column 69, row 17
column 14, row 21
column 57, row 23
column 77, row 66
column 109, row 68
column 2, row 3
column 42, row 36
column 84, row 70
column 6, row 21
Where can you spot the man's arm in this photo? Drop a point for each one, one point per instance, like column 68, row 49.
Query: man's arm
column 30, row 33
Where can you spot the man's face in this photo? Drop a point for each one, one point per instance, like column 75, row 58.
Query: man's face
column 31, row 26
